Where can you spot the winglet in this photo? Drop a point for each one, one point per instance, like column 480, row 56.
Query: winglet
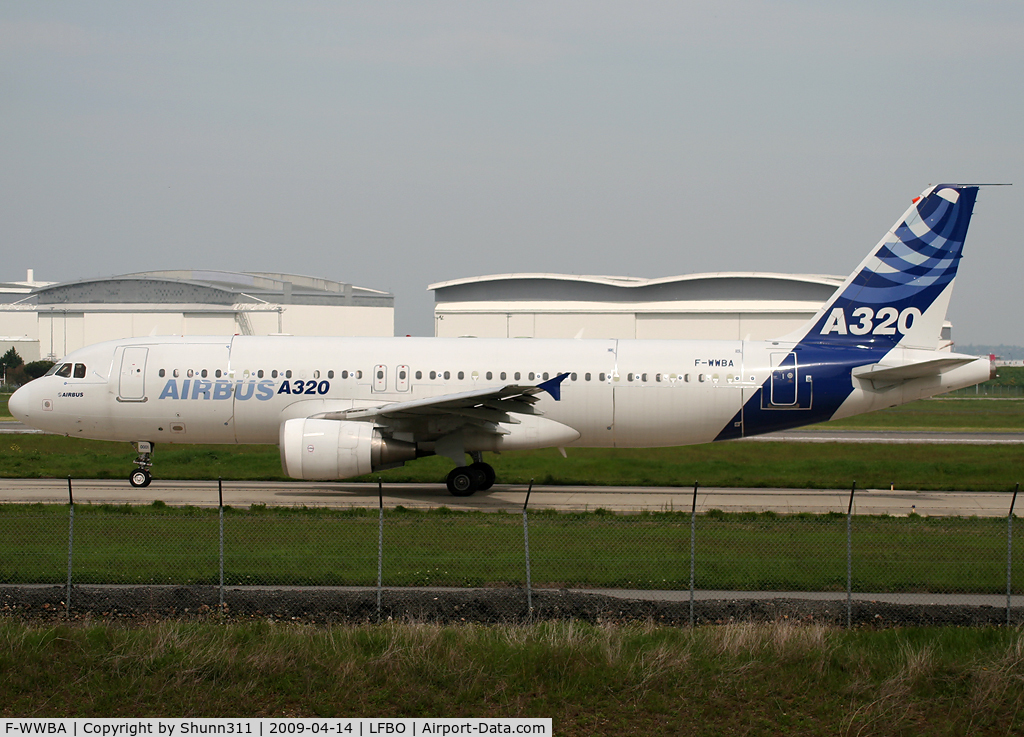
column 554, row 386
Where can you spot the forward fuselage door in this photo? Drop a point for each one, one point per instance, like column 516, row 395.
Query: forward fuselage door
column 131, row 386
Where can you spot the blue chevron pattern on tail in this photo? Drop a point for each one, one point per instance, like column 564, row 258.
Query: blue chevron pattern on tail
column 904, row 274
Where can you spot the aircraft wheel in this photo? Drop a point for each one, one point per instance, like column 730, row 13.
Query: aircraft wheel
column 464, row 480
column 140, row 478
column 489, row 476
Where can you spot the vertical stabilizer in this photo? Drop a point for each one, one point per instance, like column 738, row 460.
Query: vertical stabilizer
column 899, row 294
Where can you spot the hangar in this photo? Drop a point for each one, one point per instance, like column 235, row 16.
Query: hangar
column 723, row 305
column 48, row 320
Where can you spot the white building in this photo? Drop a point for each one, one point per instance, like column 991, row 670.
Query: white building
column 720, row 305
column 48, row 320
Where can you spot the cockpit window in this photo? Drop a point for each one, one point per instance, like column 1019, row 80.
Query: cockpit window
column 64, row 370
column 79, row 370
column 54, row 369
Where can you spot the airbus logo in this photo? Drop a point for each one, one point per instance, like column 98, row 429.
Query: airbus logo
column 240, row 390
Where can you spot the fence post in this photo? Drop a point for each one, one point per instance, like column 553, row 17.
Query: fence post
column 849, row 558
column 526, row 547
column 1009, row 552
column 71, row 546
column 220, row 506
column 380, row 543
column 693, row 546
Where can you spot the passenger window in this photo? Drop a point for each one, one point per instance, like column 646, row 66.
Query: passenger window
column 273, row 374
column 489, row 375
column 531, row 375
column 288, row 374
column 359, row 374
column 191, row 373
column 686, row 378
column 380, row 374
column 447, row 375
column 176, row 373
column 316, row 374
column 259, row 374
column 433, row 375
column 573, row 377
column 330, row 374
column 600, row 377
column 545, row 376
column 503, row 375
column 344, row 374
column 657, row 377
column 217, row 374
column 419, row 375
column 204, row 373
column 700, row 377
column 162, row 373
column 462, row 375
column 401, row 375
column 643, row 378
column 586, row 377
column 518, row 376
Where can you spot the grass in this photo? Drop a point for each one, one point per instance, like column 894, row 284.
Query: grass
column 274, row 546
column 639, row 680
column 732, row 464
column 987, row 415
column 5, row 413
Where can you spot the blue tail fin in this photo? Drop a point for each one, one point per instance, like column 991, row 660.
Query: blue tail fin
column 899, row 294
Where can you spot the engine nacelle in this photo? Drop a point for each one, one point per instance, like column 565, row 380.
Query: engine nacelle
column 331, row 449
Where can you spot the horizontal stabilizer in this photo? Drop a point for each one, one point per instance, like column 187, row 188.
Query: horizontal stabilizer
column 894, row 374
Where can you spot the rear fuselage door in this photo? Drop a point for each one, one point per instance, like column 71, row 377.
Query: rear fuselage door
column 132, row 384
column 784, row 379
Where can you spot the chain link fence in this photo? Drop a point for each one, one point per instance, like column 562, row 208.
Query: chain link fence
column 382, row 553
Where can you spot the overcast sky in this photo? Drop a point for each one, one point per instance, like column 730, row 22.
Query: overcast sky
column 396, row 144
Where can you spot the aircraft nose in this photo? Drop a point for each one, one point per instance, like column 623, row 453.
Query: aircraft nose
column 18, row 404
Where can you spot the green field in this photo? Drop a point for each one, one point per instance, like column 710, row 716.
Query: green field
column 287, row 546
column 590, row 680
column 743, row 464
column 788, row 465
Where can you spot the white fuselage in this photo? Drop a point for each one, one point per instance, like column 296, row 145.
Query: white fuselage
column 620, row 393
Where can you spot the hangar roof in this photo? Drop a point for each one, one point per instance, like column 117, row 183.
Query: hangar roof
column 210, row 287
column 718, row 286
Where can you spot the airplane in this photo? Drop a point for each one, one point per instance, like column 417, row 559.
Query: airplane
column 344, row 407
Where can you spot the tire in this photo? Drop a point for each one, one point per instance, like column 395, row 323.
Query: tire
column 463, row 481
column 489, row 476
column 140, row 478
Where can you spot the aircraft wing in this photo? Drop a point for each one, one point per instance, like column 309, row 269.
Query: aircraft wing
column 489, row 405
column 876, row 372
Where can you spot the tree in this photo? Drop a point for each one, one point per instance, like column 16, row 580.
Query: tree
column 11, row 359
column 35, row 369
column 8, row 362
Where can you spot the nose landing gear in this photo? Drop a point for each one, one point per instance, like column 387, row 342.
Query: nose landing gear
column 141, row 477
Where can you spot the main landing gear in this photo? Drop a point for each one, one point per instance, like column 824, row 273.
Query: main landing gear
column 465, row 480
column 140, row 477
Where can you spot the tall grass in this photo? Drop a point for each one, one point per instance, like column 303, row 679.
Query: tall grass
column 776, row 678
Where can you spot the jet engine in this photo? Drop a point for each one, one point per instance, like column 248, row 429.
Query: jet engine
column 331, row 449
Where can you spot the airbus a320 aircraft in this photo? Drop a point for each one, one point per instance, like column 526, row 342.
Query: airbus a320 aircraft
column 343, row 407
